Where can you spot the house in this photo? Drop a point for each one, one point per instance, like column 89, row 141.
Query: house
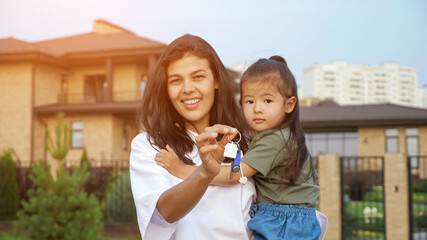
column 366, row 130
column 95, row 78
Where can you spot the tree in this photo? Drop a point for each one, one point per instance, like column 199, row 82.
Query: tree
column 9, row 200
column 59, row 148
column 57, row 209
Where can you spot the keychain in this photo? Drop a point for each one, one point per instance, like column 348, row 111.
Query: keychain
column 231, row 150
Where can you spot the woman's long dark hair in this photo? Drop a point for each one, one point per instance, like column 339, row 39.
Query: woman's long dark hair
column 159, row 118
column 274, row 71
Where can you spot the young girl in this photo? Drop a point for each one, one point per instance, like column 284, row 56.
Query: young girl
column 277, row 157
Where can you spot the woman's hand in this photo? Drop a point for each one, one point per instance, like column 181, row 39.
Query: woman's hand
column 210, row 150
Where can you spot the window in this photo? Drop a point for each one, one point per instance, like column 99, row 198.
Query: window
column 125, row 137
column 94, row 86
column 412, row 146
column 144, row 79
column 77, row 139
column 343, row 143
column 392, row 144
column 64, row 89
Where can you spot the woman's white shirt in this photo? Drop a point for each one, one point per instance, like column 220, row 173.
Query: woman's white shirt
column 222, row 212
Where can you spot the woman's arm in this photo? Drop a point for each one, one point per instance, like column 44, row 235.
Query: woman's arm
column 168, row 159
column 180, row 199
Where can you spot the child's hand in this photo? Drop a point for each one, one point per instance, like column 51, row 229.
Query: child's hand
column 168, row 159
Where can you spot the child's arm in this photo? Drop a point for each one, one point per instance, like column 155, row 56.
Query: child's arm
column 168, row 159
column 223, row 178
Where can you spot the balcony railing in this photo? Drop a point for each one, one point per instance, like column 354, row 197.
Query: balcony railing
column 118, row 96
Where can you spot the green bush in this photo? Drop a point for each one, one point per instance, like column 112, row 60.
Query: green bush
column 84, row 159
column 9, row 196
column 374, row 196
column 421, row 186
column 57, row 210
column 119, row 202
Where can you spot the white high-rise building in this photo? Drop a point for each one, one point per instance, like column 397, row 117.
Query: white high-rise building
column 352, row 84
column 422, row 96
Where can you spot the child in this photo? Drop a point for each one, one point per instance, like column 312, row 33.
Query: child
column 277, row 157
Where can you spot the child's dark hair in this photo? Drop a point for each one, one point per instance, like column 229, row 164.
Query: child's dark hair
column 274, row 71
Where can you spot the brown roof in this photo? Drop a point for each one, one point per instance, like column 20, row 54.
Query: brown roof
column 362, row 115
column 93, row 42
column 92, row 45
column 13, row 45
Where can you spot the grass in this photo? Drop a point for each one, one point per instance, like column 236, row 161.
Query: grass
column 356, row 208
column 368, row 233
column 355, row 224
column 419, row 198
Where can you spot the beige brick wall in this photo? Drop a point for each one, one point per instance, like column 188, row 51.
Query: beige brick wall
column 103, row 27
column 423, row 151
column 371, row 141
column 15, row 108
column 39, row 140
column 396, row 196
column 423, row 140
column 127, row 81
column 48, row 84
column 330, row 193
column 97, row 135
column 122, row 123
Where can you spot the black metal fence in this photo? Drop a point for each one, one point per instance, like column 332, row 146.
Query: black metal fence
column 109, row 182
column 417, row 166
column 362, row 185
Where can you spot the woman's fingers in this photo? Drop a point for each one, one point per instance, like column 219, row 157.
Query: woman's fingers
column 208, row 148
column 226, row 139
column 221, row 129
column 212, row 132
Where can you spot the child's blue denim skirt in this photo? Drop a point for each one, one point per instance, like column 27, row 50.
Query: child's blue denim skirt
column 274, row 221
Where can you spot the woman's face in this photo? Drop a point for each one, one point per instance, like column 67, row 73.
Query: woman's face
column 191, row 89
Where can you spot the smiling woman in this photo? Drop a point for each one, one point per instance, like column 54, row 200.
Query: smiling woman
column 188, row 91
column 191, row 89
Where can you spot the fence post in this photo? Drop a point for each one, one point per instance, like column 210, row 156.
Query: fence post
column 396, row 196
column 330, row 193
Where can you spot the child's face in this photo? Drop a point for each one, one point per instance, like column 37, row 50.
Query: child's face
column 263, row 105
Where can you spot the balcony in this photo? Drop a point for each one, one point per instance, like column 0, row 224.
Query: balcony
column 122, row 102
column 81, row 98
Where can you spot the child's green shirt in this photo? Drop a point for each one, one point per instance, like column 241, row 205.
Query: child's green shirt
column 266, row 153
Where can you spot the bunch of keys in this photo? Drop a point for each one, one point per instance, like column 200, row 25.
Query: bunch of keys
column 231, row 150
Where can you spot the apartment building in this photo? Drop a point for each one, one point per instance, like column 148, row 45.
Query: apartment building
column 95, row 78
column 422, row 96
column 352, row 84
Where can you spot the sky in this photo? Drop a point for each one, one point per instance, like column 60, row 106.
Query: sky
column 304, row 32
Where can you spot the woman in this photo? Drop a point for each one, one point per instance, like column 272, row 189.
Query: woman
column 188, row 91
